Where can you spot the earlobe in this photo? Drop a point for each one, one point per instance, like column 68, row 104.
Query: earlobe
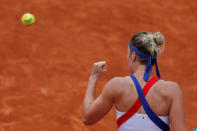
column 133, row 56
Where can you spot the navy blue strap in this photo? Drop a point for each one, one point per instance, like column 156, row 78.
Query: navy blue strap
column 162, row 125
column 149, row 64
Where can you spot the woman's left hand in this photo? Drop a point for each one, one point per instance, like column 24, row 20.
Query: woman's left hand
column 99, row 68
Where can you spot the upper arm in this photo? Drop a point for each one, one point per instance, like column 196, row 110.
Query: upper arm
column 101, row 105
column 177, row 117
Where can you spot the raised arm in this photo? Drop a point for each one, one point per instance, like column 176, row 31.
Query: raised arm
column 177, row 117
column 95, row 109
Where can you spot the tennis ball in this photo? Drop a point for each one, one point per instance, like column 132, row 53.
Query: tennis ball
column 28, row 19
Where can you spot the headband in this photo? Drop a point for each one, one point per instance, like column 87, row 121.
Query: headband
column 149, row 64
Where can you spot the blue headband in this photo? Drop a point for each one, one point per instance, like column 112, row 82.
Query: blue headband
column 149, row 64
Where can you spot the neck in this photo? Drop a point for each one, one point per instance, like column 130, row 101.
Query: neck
column 140, row 70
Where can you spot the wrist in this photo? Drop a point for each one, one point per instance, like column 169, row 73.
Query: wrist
column 93, row 77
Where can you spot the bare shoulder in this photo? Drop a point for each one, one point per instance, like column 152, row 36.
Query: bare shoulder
column 170, row 87
column 114, row 85
column 116, row 81
column 170, row 84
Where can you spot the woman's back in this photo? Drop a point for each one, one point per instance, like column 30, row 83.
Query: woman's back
column 159, row 96
column 164, row 97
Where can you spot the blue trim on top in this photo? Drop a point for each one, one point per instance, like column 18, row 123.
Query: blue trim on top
column 162, row 125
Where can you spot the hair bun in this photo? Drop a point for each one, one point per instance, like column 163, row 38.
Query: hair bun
column 159, row 38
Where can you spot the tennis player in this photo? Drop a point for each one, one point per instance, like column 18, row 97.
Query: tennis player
column 143, row 102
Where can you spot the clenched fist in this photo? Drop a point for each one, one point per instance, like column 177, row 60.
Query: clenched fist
column 99, row 68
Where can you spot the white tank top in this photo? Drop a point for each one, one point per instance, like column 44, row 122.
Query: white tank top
column 140, row 122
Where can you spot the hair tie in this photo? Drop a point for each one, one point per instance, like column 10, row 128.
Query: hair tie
column 149, row 64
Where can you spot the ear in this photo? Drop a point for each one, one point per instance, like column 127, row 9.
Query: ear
column 134, row 56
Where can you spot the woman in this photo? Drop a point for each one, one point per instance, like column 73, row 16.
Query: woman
column 162, row 107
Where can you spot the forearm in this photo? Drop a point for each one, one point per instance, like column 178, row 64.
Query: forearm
column 90, row 93
column 98, row 70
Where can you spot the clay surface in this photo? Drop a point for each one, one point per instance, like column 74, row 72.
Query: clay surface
column 44, row 68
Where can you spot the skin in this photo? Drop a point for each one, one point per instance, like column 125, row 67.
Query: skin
column 165, row 97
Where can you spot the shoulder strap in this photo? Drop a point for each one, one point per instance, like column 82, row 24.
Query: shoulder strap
column 162, row 125
column 137, row 104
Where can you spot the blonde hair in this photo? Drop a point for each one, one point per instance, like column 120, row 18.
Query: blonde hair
column 148, row 43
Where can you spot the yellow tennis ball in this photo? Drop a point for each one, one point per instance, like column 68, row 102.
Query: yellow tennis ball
column 28, row 19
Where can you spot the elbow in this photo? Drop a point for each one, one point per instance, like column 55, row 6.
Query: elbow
column 87, row 121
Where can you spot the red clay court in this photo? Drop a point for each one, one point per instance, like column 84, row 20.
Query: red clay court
column 44, row 68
